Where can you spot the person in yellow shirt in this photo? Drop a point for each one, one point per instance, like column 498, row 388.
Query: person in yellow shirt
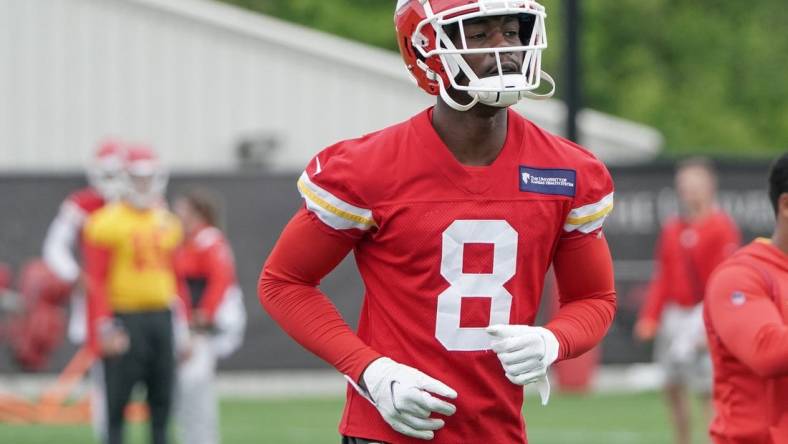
column 132, row 289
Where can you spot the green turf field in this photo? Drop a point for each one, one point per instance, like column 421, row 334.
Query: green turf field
column 598, row 419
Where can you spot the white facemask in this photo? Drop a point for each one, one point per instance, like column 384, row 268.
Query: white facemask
column 501, row 89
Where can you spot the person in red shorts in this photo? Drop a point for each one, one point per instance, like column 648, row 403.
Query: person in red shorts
column 690, row 245
column 746, row 317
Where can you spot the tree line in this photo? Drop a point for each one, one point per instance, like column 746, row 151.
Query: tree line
column 709, row 74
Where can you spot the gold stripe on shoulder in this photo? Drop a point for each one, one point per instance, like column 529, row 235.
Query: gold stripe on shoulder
column 591, row 217
column 332, row 209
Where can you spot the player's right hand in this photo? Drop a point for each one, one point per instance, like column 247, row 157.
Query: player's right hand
column 645, row 330
column 116, row 344
column 402, row 396
column 113, row 339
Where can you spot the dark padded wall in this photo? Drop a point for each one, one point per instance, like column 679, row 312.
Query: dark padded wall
column 256, row 207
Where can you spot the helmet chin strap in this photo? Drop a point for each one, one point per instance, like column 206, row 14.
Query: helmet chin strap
column 535, row 96
column 453, row 103
column 502, row 99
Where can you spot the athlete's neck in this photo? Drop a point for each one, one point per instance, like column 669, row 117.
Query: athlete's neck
column 476, row 136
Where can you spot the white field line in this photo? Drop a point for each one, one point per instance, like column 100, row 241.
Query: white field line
column 329, row 383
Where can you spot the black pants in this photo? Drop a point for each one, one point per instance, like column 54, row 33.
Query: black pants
column 150, row 359
column 351, row 440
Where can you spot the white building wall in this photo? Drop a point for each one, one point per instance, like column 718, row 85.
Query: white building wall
column 191, row 77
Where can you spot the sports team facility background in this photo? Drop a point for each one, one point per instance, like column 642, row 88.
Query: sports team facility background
column 257, row 206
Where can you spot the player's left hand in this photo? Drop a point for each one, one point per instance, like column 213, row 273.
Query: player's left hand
column 525, row 353
column 201, row 321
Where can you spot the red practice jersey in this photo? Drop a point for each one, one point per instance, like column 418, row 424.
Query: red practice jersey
column 446, row 250
column 687, row 253
column 64, row 232
column 87, row 200
column 746, row 316
column 206, row 270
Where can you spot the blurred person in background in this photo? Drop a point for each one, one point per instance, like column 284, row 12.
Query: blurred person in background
column 690, row 245
column 61, row 244
column 65, row 231
column 132, row 293
column 216, row 313
column 746, row 317
column 454, row 217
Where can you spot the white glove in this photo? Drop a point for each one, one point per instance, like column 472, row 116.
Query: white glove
column 525, row 353
column 400, row 393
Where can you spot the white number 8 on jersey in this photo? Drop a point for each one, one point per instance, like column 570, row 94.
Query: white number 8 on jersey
column 504, row 240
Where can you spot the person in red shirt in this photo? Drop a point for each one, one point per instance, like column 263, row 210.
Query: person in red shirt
column 64, row 239
column 64, row 233
column 214, row 303
column 690, row 245
column 454, row 217
column 746, row 318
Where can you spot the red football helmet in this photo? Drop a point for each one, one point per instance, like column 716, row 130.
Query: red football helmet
column 105, row 169
column 144, row 178
column 424, row 30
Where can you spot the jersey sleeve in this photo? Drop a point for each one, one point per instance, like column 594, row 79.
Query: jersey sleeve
column 587, row 295
column 656, row 296
column 744, row 316
column 60, row 240
column 221, row 274
column 288, row 290
column 97, row 257
column 593, row 200
column 331, row 188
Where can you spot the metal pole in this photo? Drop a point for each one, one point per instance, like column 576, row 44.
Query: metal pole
column 572, row 68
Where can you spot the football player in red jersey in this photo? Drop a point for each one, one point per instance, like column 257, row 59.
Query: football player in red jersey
column 61, row 243
column 454, row 217
column 746, row 316
column 690, row 246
